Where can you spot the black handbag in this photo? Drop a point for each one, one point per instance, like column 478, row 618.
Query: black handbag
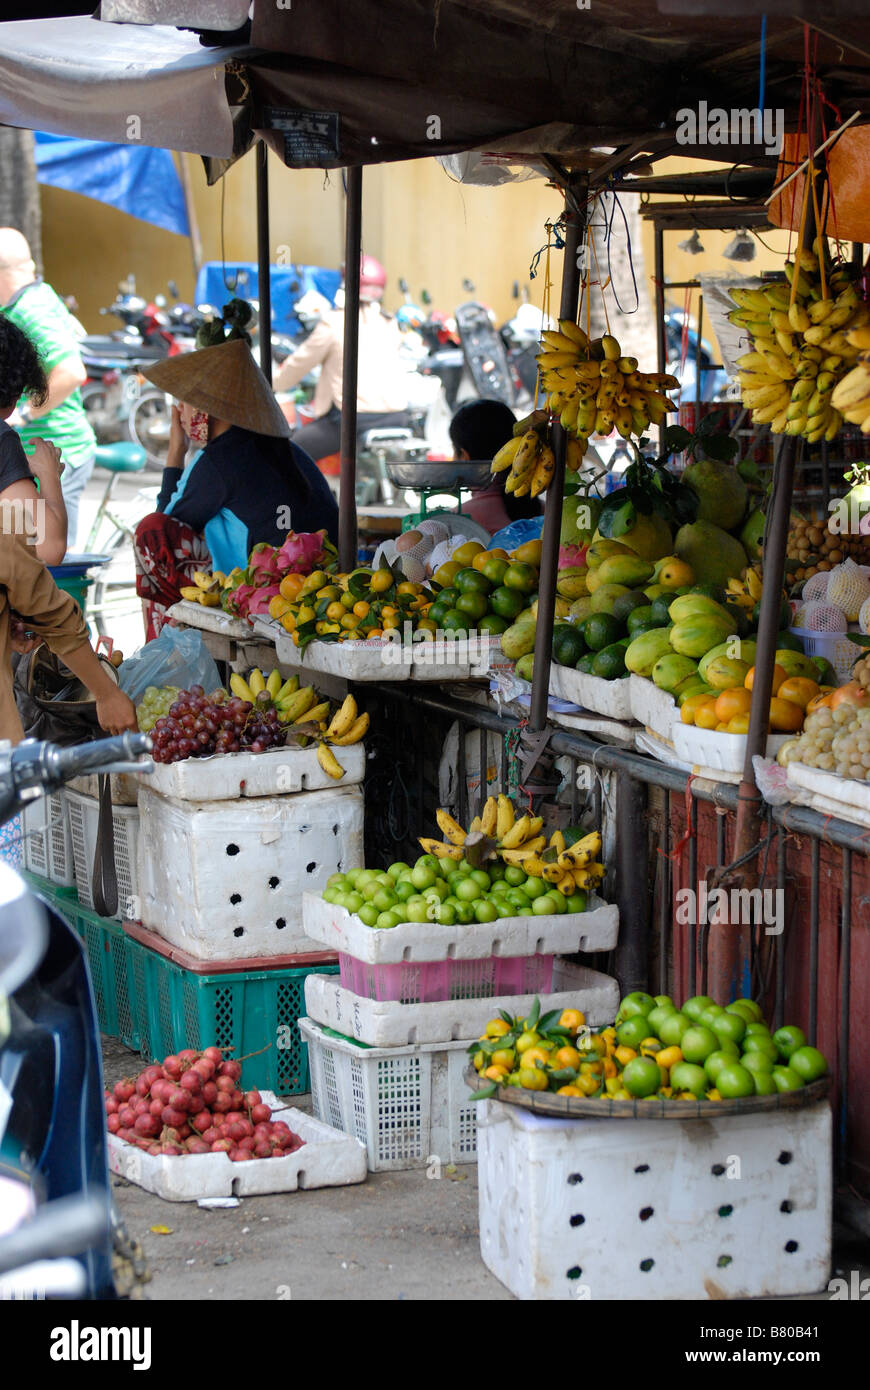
column 56, row 707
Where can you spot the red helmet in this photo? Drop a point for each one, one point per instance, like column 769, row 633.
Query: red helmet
column 372, row 278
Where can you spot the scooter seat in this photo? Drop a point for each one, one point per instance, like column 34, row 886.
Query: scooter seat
column 121, row 457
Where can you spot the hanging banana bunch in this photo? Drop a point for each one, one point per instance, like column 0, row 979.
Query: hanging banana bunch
column 805, row 335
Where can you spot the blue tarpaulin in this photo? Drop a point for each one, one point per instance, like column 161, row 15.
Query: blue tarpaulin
column 134, row 178
column 288, row 282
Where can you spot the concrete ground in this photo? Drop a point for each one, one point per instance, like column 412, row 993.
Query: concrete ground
column 395, row 1236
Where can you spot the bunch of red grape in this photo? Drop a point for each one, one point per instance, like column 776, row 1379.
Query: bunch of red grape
column 199, row 725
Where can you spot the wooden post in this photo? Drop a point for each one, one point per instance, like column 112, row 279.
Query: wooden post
column 264, row 282
column 347, row 523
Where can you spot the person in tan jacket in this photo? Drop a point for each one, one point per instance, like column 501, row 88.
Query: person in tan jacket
column 33, row 610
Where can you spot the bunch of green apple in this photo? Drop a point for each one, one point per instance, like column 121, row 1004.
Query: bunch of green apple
column 446, row 891
column 730, row 1049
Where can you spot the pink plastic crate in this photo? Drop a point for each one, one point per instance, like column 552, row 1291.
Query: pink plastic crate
column 431, row 982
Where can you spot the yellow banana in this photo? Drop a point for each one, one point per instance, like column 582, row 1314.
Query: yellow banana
column 440, row 850
column 506, row 454
column 343, row 718
column 489, row 816
column 557, row 841
column 357, row 730
column 313, row 715
column 450, row 828
column 518, row 833
column 273, row 684
column 474, row 826
column 296, row 704
column 239, row 687
column 290, row 686
column 256, row 681
column 505, row 816
column 555, row 359
column 329, row 762
column 574, row 332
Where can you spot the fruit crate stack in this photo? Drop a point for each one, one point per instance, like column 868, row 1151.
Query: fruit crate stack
column 388, row 1041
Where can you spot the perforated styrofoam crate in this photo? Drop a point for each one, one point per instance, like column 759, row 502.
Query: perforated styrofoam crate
column 224, row 879
column 231, row 776
column 388, row 1023
column 84, row 820
column 406, row 1104
column 427, row 982
column 47, row 842
column 609, row 1210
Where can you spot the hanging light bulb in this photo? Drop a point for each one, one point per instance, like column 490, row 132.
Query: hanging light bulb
column 742, row 248
column 692, row 245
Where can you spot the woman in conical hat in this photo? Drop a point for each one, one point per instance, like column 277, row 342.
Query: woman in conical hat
column 246, row 484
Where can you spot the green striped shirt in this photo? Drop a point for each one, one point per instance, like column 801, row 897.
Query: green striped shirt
column 44, row 317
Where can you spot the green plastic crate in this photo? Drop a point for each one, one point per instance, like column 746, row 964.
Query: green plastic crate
column 241, row 1012
column 108, row 953
column 109, row 957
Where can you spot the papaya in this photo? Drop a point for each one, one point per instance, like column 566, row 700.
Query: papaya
column 644, row 651
column 571, row 582
column 606, row 595
column 797, row 664
column 674, row 573
column 696, row 606
column 695, row 636
column 742, row 649
column 592, row 581
column 601, row 550
column 629, row 570
column 580, row 609
column 670, row 670
column 525, row 666
column 726, row 672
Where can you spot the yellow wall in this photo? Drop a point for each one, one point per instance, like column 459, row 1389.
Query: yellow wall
column 420, row 223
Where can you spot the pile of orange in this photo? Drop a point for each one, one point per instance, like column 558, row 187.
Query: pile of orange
column 727, row 711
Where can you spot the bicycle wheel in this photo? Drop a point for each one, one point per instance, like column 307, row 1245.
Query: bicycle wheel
column 113, row 605
column 148, row 423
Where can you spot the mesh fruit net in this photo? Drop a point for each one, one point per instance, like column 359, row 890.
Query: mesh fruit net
column 820, row 617
column 847, row 587
column 864, row 616
column 816, row 587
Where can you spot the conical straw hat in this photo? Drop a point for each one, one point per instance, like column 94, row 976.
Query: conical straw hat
column 225, row 382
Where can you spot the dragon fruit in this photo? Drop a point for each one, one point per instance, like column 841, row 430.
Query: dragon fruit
column 260, row 599
column 304, row 553
column 237, row 601
column 263, row 565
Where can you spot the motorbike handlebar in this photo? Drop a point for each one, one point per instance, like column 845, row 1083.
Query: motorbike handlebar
column 99, row 755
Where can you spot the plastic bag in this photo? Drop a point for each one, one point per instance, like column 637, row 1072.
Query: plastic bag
column 178, row 657
column 772, row 781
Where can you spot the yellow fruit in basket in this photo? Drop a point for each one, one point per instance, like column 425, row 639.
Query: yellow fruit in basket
column 785, row 718
column 624, row 1055
column 567, row 1057
column 731, row 702
column 533, row 1079
column 497, row 1027
column 494, row 1073
column 799, row 690
column 446, row 573
column 705, row 715
column 691, row 706
column 541, row 1055
column 738, row 725
column 669, row 1057
column 572, row 1018
column 779, row 675
column 722, row 728
column 464, row 554
column 569, row 1091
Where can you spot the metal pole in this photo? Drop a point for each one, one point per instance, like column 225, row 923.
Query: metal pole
column 264, row 286
column 347, row 524
column 661, row 338
column 631, row 885
column 576, row 224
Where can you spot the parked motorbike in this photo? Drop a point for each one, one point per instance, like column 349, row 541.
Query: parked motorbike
column 114, row 361
column 56, row 1210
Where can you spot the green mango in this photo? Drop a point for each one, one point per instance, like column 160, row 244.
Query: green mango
column 693, row 686
column 643, row 651
column 695, row 636
column 725, row 672
column 518, row 640
column 743, row 650
column 797, row 664
column 525, row 666
column 696, row 605
column 671, row 670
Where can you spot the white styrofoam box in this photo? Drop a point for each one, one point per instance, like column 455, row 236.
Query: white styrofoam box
column 388, row 1023
column 84, row 820
column 327, row 1159
column 123, row 787
column 47, row 840
column 655, row 709
column 737, row 1207
column 608, row 730
column 593, row 693
column 340, row 930
column 707, row 748
column 229, row 776
column 224, row 879
column 209, row 619
column 846, row 797
column 407, row 1105
column 386, row 660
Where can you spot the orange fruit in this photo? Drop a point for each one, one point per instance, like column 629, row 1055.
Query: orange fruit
column 779, row 675
column 290, row 585
column 739, row 724
column 694, row 703
column 278, row 606
column 541, row 1055
column 705, row 715
column 799, row 690
column 288, row 622
column 731, row 702
column 464, row 554
column 822, row 700
column 571, row 1018
column 624, row 1055
column 669, row 1056
column 785, row 717
column 722, row 727
column 361, row 608
column 569, row 1091
column 567, row 1057
column 381, row 581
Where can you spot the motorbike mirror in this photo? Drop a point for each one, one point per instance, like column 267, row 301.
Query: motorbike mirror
column 425, row 297
column 468, row 286
column 403, row 285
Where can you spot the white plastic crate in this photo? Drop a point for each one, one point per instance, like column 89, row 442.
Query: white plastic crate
column 84, row 819
column 47, row 843
column 224, row 879
column 340, row 930
column 655, row 709
column 388, row 1023
column 609, row 1210
column 719, row 751
column 327, row 1159
column 231, row 776
column 835, row 647
column 408, row 1105
column 592, row 692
